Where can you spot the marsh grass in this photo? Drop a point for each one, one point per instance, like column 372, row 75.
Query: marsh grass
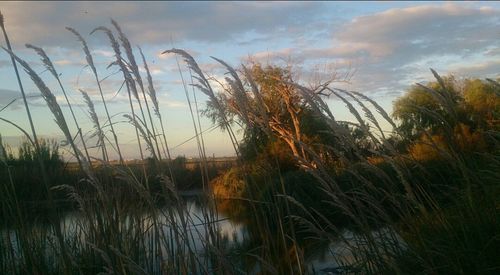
column 394, row 215
column 365, row 197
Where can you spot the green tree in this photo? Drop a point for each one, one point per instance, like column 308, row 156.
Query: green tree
column 267, row 106
column 426, row 108
column 482, row 100
column 460, row 110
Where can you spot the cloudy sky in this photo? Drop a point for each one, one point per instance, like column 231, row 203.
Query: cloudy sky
column 383, row 46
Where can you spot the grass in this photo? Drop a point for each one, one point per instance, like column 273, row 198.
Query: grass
column 297, row 189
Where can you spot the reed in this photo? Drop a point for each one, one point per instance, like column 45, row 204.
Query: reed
column 97, row 125
column 302, row 178
column 50, row 67
column 129, row 81
column 135, row 71
column 90, row 62
column 35, row 138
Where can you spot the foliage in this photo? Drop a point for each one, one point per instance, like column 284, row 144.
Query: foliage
column 420, row 109
column 268, row 107
column 464, row 110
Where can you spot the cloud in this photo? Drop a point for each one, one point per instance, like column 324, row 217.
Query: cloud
column 154, row 22
column 104, row 53
column 273, row 56
column 493, row 52
column 392, row 49
column 6, row 98
column 418, row 29
column 387, row 49
column 489, row 68
column 12, row 99
column 68, row 62
column 153, row 70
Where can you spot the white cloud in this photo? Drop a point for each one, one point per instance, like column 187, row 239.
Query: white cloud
column 395, row 48
column 483, row 69
column 69, row 62
column 437, row 27
column 104, row 53
column 154, row 22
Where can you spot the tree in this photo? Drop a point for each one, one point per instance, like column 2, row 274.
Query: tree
column 459, row 111
column 276, row 112
column 421, row 109
column 267, row 106
column 482, row 100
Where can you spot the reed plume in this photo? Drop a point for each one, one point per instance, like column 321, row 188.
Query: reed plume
column 204, row 86
column 51, row 68
column 54, row 213
column 154, row 99
column 90, row 62
column 129, row 81
column 97, row 125
column 135, row 71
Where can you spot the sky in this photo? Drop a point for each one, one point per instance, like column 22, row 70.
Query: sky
column 377, row 48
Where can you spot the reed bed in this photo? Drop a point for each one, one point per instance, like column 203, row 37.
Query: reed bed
column 370, row 217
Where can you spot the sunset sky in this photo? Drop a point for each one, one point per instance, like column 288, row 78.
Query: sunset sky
column 385, row 46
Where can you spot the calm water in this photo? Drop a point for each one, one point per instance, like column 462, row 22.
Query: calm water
column 326, row 260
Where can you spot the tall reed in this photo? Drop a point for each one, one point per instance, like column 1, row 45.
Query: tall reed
column 50, row 67
column 129, row 82
column 322, row 186
column 90, row 62
column 37, row 145
column 135, row 71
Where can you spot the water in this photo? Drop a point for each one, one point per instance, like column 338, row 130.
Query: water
column 331, row 258
column 178, row 235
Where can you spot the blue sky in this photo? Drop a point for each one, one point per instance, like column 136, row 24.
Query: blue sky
column 383, row 46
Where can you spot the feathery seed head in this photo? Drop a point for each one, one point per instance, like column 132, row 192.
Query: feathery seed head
column 128, row 51
column 93, row 115
column 151, row 89
column 188, row 59
column 47, row 95
column 137, row 124
column 119, row 59
column 194, row 67
column 88, row 56
column 45, row 59
column 112, row 39
column 379, row 108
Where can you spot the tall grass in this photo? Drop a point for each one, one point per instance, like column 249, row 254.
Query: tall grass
column 389, row 215
column 376, row 201
column 90, row 62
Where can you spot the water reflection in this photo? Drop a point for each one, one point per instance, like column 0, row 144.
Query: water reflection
column 192, row 230
column 176, row 230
